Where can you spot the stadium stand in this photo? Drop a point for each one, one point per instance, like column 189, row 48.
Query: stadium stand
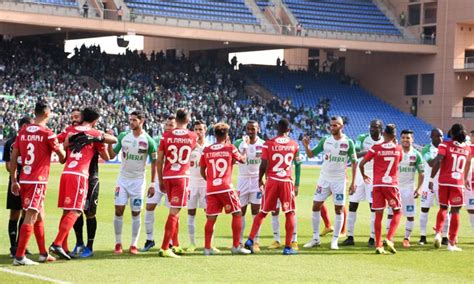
column 354, row 16
column 349, row 101
column 233, row 11
column 66, row 3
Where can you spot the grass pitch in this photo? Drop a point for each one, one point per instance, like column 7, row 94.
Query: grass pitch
column 353, row 264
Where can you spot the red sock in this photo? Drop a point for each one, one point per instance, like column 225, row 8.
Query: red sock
column 394, row 224
column 237, row 229
column 257, row 222
column 175, row 239
column 208, row 231
column 343, row 230
column 440, row 218
column 39, row 235
column 325, row 216
column 290, row 227
column 65, row 226
column 25, row 234
column 453, row 228
column 378, row 228
column 169, row 231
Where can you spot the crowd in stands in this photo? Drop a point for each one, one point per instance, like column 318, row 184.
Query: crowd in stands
column 156, row 84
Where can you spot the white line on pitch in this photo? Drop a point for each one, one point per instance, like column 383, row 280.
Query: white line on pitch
column 39, row 277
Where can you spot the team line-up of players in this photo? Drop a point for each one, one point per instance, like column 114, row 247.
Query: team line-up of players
column 188, row 173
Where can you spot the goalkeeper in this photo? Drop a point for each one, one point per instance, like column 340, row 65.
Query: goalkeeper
column 75, row 143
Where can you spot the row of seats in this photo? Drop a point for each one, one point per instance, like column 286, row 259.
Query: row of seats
column 355, row 103
column 66, row 3
column 192, row 4
column 195, row 16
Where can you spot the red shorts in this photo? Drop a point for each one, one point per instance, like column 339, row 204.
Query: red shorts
column 177, row 191
column 32, row 196
column 72, row 192
column 229, row 201
column 383, row 195
column 278, row 190
column 450, row 195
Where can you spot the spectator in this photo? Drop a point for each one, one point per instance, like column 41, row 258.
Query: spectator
column 325, row 66
column 233, row 62
column 85, row 10
column 402, row 19
column 119, row 13
column 278, row 61
column 299, row 28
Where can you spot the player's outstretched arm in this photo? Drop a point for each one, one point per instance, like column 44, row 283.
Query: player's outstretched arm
column 110, row 139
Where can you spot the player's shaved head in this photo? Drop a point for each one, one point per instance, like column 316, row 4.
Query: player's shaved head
column 283, row 126
column 436, row 136
column 182, row 116
column 221, row 130
column 436, row 132
column 375, row 128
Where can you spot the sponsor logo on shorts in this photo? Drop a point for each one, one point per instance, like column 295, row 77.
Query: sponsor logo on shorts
column 319, row 189
column 137, row 202
column 410, row 208
column 27, row 201
column 67, row 200
column 456, row 200
column 424, row 195
column 339, row 197
column 259, row 195
column 175, row 199
column 392, row 202
column 471, row 201
column 117, row 190
column 227, row 207
column 286, row 205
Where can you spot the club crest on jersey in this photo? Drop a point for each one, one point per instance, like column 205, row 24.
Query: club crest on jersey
column 217, row 146
column 180, row 132
column 282, row 140
column 27, row 170
column 412, row 158
column 32, row 128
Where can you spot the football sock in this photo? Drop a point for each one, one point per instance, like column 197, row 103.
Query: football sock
column 91, row 230
column 236, row 230
column 208, row 232
column 423, row 223
column 453, row 228
column 276, row 228
column 378, row 229
column 316, row 221
column 394, row 224
column 257, row 222
column 338, row 225
column 39, row 235
column 136, row 224
column 351, row 220
column 118, row 224
column 25, row 234
column 290, row 227
column 192, row 229
column 170, row 227
column 149, row 224
column 78, row 227
column 440, row 219
column 408, row 229
column 295, row 230
column 65, row 226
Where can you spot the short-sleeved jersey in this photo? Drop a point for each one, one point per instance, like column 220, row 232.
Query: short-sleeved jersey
column 455, row 160
column 386, row 158
column 135, row 151
column 254, row 153
column 363, row 143
column 36, row 143
column 280, row 152
column 336, row 153
column 177, row 146
column 411, row 163
column 219, row 160
column 196, row 179
column 78, row 163
column 429, row 152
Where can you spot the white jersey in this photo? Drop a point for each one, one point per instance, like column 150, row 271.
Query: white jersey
column 428, row 153
column 336, row 154
column 254, row 153
column 195, row 178
column 411, row 164
column 135, row 151
column 363, row 143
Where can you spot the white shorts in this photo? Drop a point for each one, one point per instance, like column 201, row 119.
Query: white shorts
column 362, row 192
column 249, row 190
column 469, row 199
column 408, row 201
column 197, row 197
column 326, row 188
column 427, row 199
column 158, row 196
column 133, row 189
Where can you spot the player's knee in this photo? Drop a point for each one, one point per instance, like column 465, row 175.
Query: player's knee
column 425, row 210
column 411, row 219
column 317, row 206
column 150, row 207
column 338, row 209
column 470, row 211
column 255, row 209
column 455, row 210
column 90, row 215
column 353, row 206
column 119, row 211
column 15, row 215
column 192, row 212
column 136, row 213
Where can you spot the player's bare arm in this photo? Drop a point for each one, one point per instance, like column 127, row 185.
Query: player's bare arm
column 159, row 169
column 435, row 168
column 109, row 139
column 421, row 177
column 13, row 172
column 111, row 152
column 261, row 172
column 353, row 169
column 7, row 166
column 104, row 154
column 203, row 172
column 61, row 154
column 308, row 151
column 467, row 168
column 151, row 188
column 362, row 172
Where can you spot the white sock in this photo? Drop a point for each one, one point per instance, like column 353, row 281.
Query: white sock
column 149, row 224
column 409, row 228
column 351, row 220
column 294, row 238
column 471, row 217
column 257, row 236
column 389, row 220
column 316, row 220
column 192, row 229
column 423, row 223
column 338, row 226
column 243, row 230
column 276, row 228
column 372, row 221
column 136, row 222
column 446, row 226
column 118, row 224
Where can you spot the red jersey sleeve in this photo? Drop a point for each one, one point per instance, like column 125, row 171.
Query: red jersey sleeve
column 62, row 137
column 370, row 154
column 235, row 154
column 162, row 144
column 265, row 151
column 202, row 161
column 442, row 149
column 99, row 146
column 53, row 141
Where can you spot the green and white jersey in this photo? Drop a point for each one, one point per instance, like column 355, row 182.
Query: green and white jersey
column 134, row 154
column 195, row 178
column 254, row 154
column 336, row 154
column 428, row 153
column 411, row 164
column 363, row 143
